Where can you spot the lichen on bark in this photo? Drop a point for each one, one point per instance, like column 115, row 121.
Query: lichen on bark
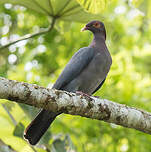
column 75, row 104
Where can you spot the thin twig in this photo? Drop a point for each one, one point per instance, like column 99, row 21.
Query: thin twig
column 28, row 36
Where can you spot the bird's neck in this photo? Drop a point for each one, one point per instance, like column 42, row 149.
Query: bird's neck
column 98, row 39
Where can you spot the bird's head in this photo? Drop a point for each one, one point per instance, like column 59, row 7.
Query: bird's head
column 95, row 27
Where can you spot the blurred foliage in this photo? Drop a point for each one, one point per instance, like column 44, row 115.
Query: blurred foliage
column 41, row 59
column 96, row 6
column 67, row 10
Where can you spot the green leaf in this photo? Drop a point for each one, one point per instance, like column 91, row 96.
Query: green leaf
column 136, row 3
column 81, row 16
column 8, row 104
column 29, row 111
column 65, row 145
column 94, row 6
column 67, row 10
column 46, row 138
column 58, row 146
column 40, row 6
column 69, row 143
column 144, row 6
column 5, row 148
column 19, row 129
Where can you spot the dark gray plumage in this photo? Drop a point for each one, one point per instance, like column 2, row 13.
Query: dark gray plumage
column 85, row 72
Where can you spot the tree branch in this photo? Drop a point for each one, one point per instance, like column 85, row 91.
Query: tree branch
column 71, row 103
column 28, row 36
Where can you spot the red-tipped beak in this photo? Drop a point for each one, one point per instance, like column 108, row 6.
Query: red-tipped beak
column 84, row 28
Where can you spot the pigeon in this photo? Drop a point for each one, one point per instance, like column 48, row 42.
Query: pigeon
column 85, row 72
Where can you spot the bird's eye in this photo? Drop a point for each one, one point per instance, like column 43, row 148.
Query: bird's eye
column 96, row 25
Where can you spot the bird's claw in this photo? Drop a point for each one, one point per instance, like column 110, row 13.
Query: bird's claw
column 83, row 94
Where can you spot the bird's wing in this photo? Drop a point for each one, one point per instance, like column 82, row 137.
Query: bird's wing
column 99, row 86
column 74, row 67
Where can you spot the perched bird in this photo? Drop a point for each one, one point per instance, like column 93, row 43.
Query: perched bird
column 85, row 72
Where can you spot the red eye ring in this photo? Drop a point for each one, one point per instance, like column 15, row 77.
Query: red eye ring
column 97, row 25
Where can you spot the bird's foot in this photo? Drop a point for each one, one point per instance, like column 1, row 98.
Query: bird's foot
column 83, row 94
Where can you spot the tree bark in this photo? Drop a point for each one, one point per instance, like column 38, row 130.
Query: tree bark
column 75, row 104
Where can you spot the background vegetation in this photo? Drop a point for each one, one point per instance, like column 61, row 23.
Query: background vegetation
column 41, row 59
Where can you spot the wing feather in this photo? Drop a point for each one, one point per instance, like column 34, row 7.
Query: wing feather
column 74, row 67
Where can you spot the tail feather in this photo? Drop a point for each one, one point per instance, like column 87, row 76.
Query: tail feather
column 39, row 126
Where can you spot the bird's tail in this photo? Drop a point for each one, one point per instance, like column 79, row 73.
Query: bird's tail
column 39, row 126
